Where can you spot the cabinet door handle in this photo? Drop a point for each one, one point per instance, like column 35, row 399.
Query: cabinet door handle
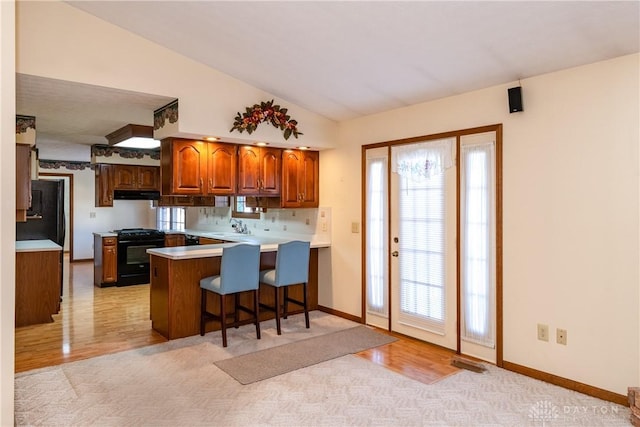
column 200, row 182
column 210, row 182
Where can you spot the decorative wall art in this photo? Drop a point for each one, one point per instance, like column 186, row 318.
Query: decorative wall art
column 266, row 112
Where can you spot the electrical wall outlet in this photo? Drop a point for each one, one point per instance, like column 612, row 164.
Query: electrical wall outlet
column 561, row 336
column 543, row 332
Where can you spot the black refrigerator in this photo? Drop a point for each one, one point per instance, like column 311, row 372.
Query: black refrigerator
column 45, row 218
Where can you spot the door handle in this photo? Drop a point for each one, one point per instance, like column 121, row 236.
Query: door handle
column 395, row 253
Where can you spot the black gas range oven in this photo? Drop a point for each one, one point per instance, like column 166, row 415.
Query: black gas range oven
column 133, row 259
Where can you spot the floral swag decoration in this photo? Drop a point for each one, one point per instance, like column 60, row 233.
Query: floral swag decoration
column 266, row 112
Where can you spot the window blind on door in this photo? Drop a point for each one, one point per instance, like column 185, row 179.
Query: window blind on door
column 377, row 233
column 421, row 243
column 477, row 247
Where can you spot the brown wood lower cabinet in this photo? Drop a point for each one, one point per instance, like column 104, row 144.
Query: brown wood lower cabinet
column 37, row 287
column 105, row 260
column 171, row 240
column 210, row 241
column 175, row 293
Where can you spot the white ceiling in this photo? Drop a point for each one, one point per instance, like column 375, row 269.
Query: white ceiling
column 352, row 58
column 80, row 113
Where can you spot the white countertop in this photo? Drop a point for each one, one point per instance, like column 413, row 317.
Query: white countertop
column 36, row 246
column 267, row 244
column 105, row 234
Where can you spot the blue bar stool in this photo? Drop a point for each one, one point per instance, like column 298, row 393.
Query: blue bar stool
column 239, row 269
column 292, row 268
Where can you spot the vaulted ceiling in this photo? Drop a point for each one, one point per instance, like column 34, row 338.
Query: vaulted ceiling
column 352, row 58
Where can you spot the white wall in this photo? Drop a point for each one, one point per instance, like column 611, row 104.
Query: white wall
column 7, row 209
column 87, row 218
column 49, row 46
column 123, row 214
column 306, row 223
column 571, row 214
column 570, row 181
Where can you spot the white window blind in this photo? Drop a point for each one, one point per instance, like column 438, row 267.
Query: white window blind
column 422, row 240
column 170, row 218
column 477, row 242
column 377, row 269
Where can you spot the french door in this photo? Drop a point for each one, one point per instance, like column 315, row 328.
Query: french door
column 430, row 241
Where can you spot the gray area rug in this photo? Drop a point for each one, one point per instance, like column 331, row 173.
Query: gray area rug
column 177, row 384
column 269, row 363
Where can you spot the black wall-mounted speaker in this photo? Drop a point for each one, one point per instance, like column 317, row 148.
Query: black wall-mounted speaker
column 515, row 99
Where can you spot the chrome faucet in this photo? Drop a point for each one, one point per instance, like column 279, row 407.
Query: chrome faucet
column 238, row 226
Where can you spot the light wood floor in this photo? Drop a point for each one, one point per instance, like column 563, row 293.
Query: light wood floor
column 95, row 321
column 92, row 321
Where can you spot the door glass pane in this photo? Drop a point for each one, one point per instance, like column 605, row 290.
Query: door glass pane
column 477, row 260
column 377, row 236
column 422, row 248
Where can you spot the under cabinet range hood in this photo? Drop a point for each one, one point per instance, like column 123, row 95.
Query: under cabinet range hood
column 136, row 195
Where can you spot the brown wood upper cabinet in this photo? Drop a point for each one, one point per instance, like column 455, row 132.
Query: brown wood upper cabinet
column 111, row 177
column 104, row 185
column 197, row 168
column 300, row 179
column 259, row 171
column 23, row 181
column 132, row 177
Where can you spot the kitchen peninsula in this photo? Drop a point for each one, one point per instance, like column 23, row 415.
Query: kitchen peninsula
column 38, row 281
column 175, row 281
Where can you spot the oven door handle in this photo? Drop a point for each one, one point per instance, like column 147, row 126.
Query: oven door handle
column 141, row 242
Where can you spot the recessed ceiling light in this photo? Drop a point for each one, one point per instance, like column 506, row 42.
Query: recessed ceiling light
column 211, row 138
column 261, row 144
column 303, row 148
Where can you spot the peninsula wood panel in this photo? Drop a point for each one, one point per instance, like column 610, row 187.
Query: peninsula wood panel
column 175, row 293
column 37, row 287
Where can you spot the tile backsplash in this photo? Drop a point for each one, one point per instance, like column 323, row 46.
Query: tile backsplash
column 303, row 222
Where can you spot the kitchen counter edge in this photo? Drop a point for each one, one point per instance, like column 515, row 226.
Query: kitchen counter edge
column 105, row 234
column 36, row 246
column 205, row 251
